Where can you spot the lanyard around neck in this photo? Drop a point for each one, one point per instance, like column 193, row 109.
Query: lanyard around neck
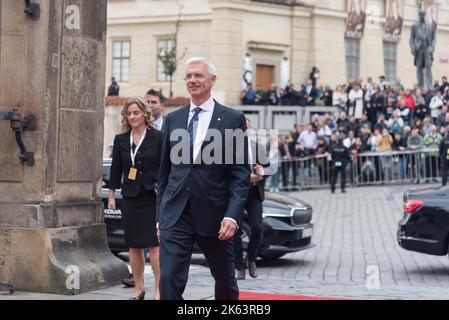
column 134, row 153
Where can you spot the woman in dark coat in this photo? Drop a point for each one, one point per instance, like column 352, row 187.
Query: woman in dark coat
column 135, row 165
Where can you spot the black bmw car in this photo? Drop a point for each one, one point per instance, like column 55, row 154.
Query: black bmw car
column 425, row 224
column 287, row 223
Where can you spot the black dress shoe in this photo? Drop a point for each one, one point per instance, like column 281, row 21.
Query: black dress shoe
column 241, row 274
column 252, row 269
column 141, row 296
column 129, row 282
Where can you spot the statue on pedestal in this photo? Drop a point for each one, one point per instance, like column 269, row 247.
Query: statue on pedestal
column 422, row 44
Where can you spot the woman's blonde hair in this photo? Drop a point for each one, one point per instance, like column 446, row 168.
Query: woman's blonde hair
column 144, row 107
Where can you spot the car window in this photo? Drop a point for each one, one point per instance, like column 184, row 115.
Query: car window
column 106, row 174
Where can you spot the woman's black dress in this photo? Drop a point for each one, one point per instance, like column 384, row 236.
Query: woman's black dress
column 139, row 195
column 139, row 220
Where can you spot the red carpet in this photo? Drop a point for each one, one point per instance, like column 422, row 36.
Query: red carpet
column 272, row 296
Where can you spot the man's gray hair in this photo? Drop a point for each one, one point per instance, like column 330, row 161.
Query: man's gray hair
column 210, row 66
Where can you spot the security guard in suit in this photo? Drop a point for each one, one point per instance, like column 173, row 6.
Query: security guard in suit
column 340, row 159
column 254, row 208
column 444, row 154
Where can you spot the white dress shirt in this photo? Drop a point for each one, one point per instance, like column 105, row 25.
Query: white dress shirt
column 159, row 123
column 204, row 119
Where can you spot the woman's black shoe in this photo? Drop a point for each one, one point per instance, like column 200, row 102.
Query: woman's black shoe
column 141, row 296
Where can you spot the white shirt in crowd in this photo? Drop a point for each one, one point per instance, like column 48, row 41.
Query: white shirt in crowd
column 403, row 113
column 310, row 139
column 369, row 92
column 339, row 98
column 356, row 97
column 435, row 106
column 348, row 142
column 159, row 123
column 373, row 143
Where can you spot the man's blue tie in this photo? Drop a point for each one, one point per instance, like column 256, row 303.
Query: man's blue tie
column 193, row 125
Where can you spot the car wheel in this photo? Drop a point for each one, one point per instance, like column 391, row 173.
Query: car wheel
column 271, row 257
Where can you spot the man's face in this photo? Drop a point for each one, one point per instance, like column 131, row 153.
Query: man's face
column 422, row 15
column 199, row 82
column 155, row 105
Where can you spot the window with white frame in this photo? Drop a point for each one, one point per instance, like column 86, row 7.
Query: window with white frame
column 390, row 54
column 121, row 60
column 352, row 49
column 164, row 47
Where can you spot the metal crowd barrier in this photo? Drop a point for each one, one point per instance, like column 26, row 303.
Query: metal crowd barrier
column 368, row 168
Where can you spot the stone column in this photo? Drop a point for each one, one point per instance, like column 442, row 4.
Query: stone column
column 51, row 214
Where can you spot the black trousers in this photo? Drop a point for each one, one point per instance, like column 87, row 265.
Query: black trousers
column 445, row 171
column 431, row 166
column 176, row 247
column 286, row 166
column 254, row 209
column 335, row 171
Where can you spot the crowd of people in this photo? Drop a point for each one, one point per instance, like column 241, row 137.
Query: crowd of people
column 312, row 93
column 371, row 117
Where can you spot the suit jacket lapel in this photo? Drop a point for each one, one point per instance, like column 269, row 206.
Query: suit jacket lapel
column 146, row 144
column 217, row 121
column 181, row 121
column 124, row 141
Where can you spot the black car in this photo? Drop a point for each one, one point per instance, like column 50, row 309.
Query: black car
column 287, row 223
column 425, row 225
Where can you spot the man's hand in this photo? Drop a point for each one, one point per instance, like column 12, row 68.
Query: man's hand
column 111, row 203
column 227, row 230
column 255, row 179
column 259, row 170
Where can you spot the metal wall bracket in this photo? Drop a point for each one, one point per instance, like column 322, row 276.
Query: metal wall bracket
column 18, row 125
column 33, row 10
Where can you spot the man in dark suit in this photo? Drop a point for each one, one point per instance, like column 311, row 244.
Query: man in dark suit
column 258, row 159
column 198, row 201
column 156, row 100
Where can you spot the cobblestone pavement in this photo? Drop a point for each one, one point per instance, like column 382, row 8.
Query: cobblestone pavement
column 355, row 235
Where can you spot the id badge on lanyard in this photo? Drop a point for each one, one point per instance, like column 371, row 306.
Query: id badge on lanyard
column 133, row 171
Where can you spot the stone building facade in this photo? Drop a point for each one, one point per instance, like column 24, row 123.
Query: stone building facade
column 284, row 39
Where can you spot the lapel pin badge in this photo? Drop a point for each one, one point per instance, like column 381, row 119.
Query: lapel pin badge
column 219, row 119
